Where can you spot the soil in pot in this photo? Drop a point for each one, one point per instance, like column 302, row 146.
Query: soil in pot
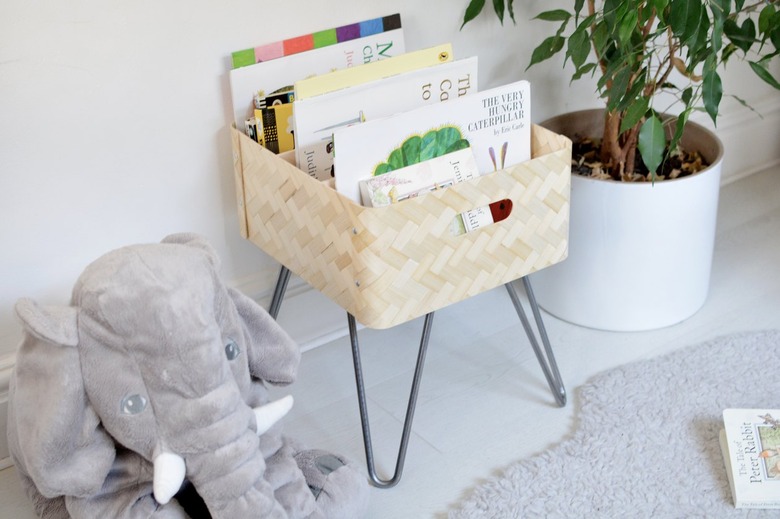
column 586, row 162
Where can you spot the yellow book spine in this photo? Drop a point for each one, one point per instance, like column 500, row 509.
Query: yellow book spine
column 343, row 78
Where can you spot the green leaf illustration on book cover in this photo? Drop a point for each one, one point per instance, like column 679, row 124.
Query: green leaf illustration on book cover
column 417, row 148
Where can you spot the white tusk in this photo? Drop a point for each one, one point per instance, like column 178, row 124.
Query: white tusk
column 271, row 413
column 169, row 473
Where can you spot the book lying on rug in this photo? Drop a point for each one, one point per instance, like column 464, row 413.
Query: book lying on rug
column 280, row 74
column 316, row 118
column 750, row 442
column 495, row 123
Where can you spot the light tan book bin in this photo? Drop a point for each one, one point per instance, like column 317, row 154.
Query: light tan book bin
column 388, row 265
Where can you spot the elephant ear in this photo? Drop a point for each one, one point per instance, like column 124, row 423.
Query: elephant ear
column 54, row 434
column 273, row 355
column 197, row 241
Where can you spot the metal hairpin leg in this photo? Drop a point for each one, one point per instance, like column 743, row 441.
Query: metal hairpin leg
column 399, row 464
column 281, row 288
column 548, row 364
column 545, row 357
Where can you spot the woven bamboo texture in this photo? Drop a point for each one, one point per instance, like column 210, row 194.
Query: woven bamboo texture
column 391, row 264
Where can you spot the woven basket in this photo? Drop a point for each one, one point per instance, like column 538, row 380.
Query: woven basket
column 388, row 265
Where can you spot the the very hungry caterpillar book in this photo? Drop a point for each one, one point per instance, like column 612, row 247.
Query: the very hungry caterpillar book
column 496, row 123
column 316, row 118
column 750, row 442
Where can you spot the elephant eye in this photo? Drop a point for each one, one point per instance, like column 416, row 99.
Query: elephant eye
column 231, row 349
column 133, row 404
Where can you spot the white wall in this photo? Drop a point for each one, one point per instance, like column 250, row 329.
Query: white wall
column 114, row 124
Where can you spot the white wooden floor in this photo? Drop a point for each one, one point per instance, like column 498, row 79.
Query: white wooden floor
column 483, row 402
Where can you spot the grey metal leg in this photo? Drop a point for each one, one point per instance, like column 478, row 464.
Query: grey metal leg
column 545, row 357
column 281, row 288
column 548, row 364
column 399, row 465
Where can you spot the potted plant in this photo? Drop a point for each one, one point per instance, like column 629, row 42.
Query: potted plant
column 642, row 223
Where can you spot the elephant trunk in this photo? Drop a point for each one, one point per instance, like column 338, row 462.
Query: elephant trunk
column 228, row 477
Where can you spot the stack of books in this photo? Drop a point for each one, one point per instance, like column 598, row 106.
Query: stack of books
column 378, row 123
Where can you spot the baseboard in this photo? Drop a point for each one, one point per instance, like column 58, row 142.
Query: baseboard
column 749, row 137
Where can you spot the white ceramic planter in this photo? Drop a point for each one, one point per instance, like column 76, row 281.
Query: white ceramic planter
column 640, row 255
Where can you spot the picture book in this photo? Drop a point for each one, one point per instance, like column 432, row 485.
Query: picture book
column 316, row 118
column 347, row 77
column 495, row 123
column 316, row 40
column 423, row 177
column 274, row 127
column 277, row 75
column 750, row 442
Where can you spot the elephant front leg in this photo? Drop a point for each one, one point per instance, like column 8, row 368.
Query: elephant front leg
column 224, row 463
column 232, row 482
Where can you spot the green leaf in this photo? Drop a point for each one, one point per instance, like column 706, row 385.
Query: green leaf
column 698, row 41
column 511, row 9
column 720, row 9
column 635, row 112
column 738, row 5
column 611, row 10
column 618, row 89
column 685, row 18
column 498, row 7
column 712, row 90
column 682, row 120
column 774, row 33
column 579, row 46
column 578, row 7
column 600, row 39
column 547, row 49
column 556, row 15
column 473, row 9
column 762, row 72
column 627, row 25
column 687, row 95
column 589, row 67
column 652, row 143
column 660, row 7
column 717, row 34
column 744, row 36
column 634, row 93
column 765, row 18
column 728, row 50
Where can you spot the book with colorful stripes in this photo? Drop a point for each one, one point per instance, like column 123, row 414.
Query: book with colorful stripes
column 315, row 40
column 256, row 81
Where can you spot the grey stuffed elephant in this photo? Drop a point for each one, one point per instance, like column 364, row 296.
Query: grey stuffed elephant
column 146, row 398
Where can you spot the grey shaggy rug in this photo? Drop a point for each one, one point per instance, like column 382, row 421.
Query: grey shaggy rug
column 646, row 442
